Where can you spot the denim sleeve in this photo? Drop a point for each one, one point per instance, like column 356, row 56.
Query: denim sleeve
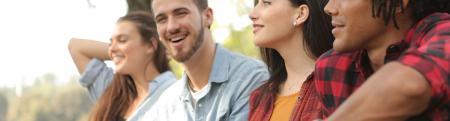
column 255, row 76
column 96, row 78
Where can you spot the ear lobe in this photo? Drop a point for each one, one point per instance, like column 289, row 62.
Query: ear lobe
column 152, row 46
column 209, row 17
column 404, row 5
column 302, row 14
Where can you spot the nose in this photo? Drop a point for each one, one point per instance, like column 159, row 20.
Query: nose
column 173, row 26
column 253, row 15
column 330, row 8
column 112, row 48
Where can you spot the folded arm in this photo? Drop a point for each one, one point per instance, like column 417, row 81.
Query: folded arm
column 393, row 93
column 82, row 51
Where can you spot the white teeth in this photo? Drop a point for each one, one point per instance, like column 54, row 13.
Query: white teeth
column 117, row 57
column 177, row 38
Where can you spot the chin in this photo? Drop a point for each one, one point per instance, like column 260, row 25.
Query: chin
column 262, row 43
column 345, row 48
column 120, row 71
column 340, row 46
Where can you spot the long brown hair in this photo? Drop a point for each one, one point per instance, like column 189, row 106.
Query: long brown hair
column 317, row 40
column 119, row 95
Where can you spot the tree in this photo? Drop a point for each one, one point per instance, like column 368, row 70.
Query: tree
column 3, row 107
column 139, row 5
column 242, row 42
column 45, row 101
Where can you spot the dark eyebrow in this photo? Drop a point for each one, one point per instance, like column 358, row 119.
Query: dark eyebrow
column 181, row 9
column 159, row 15
column 175, row 10
column 118, row 37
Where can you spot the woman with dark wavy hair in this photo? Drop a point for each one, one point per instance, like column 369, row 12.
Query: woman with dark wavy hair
column 291, row 35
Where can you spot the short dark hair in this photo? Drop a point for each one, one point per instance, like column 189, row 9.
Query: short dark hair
column 386, row 9
column 201, row 4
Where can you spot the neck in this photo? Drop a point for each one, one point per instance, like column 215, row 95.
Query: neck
column 377, row 49
column 297, row 62
column 142, row 78
column 198, row 67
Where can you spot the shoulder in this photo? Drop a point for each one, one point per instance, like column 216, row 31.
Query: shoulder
column 96, row 70
column 257, row 93
column 173, row 90
column 166, row 79
column 435, row 20
column 169, row 98
column 243, row 65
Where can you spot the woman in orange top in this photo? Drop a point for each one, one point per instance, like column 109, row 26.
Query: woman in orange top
column 291, row 35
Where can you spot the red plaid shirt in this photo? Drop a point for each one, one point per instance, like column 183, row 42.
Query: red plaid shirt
column 307, row 107
column 426, row 48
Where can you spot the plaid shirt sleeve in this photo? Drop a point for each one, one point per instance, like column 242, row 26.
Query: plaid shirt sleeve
column 257, row 105
column 336, row 77
column 429, row 54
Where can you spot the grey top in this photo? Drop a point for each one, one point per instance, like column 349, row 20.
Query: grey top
column 97, row 77
column 231, row 81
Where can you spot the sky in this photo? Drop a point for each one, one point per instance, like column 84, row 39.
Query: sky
column 34, row 34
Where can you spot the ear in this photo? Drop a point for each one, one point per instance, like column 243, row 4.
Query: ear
column 208, row 17
column 152, row 46
column 301, row 14
column 404, row 4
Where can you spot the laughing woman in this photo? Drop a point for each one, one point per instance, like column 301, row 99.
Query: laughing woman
column 141, row 70
column 291, row 35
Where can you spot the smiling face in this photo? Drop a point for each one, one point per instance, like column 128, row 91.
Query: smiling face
column 127, row 50
column 272, row 22
column 180, row 26
column 354, row 26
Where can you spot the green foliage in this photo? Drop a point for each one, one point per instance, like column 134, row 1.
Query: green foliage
column 176, row 68
column 3, row 107
column 139, row 5
column 242, row 42
column 44, row 101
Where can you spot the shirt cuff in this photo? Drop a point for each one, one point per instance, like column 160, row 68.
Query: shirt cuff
column 92, row 71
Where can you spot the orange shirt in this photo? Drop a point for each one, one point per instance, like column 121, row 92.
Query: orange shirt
column 307, row 107
column 284, row 105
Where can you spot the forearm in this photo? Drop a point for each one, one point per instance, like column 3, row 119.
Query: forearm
column 393, row 93
column 82, row 51
column 90, row 48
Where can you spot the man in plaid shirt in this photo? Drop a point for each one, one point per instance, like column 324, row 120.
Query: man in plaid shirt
column 391, row 56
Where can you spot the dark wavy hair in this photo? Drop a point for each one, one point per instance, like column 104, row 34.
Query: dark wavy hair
column 120, row 94
column 386, row 9
column 317, row 40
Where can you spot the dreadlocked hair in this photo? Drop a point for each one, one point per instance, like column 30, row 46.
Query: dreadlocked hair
column 386, row 9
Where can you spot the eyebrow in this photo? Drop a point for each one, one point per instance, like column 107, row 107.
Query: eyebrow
column 159, row 15
column 118, row 37
column 180, row 9
column 175, row 10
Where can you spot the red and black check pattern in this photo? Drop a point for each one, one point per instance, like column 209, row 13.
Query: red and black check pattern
column 307, row 107
column 426, row 48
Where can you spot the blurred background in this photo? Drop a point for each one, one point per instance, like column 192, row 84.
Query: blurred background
column 39, row 81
